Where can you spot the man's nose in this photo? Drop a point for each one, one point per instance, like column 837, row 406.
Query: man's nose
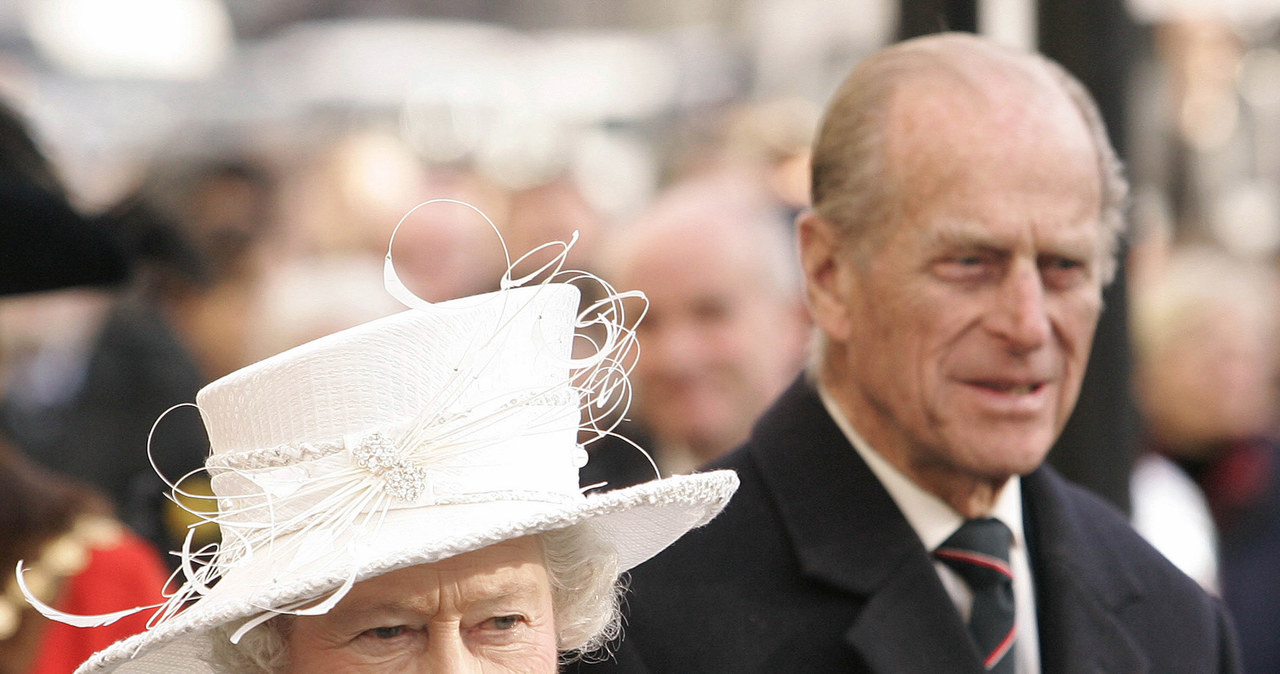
column 1020, row 316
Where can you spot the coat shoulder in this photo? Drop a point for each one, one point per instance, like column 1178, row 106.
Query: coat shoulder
column 1090, row 562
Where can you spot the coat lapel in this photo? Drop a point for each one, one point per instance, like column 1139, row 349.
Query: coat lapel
column 848, row 533
column 1078, row 594
column 909, row 625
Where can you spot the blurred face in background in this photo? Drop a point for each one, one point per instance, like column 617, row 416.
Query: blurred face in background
column 722, row 338
column 45, row 339
column 1207, row 380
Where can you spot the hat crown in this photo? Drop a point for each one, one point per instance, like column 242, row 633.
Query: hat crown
column 443, row 403
column 386, row 372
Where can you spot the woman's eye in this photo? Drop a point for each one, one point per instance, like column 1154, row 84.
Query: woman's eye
column 505, row 622
column 386, row 632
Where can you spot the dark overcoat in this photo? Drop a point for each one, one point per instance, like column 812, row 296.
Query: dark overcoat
column 812, row 568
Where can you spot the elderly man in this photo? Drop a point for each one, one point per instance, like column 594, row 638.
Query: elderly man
column 725, row 331
column 894, row 514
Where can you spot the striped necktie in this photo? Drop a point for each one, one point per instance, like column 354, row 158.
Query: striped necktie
column 979, row 553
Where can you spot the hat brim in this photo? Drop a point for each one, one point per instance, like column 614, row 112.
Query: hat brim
column 639, row 522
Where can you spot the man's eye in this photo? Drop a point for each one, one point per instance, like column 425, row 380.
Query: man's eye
column 964, row 267
column 1063, row 272
column 1061, row 263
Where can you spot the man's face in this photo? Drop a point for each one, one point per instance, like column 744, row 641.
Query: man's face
column 970, row 322
column 484, row 611
column 717, row 343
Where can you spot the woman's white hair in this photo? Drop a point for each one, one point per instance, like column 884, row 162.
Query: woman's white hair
column 586, row 592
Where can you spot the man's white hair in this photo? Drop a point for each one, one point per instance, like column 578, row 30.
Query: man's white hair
column 849, row 185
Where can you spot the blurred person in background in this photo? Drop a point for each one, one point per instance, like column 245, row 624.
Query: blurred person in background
column 311, row 296
column 86, row 371
column 224, row 209
column 1205, row 331
column 725, row 331
column 202, row 230
column 56, row 265
column 767, row 141
column 553, row 211
column 88, row 375
column 349, row 198
column 77, row 557
column 776, row 135
column 48, row 243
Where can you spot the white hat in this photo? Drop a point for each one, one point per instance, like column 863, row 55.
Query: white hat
column 410, row 439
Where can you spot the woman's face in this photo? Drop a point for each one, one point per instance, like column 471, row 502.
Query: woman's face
column 487, row 611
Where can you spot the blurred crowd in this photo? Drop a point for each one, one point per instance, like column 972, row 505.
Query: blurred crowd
column 216, row 260
column 212, row 263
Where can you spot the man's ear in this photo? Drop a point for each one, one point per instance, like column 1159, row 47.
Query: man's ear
column 828, row 272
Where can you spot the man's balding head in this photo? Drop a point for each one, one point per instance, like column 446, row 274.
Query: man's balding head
column 855, row 185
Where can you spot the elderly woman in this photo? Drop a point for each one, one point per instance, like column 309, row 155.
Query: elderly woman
column 403, row 496
column 513, row 606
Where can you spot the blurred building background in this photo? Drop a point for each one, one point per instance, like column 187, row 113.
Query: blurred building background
column 616, row 92
column 620, row 94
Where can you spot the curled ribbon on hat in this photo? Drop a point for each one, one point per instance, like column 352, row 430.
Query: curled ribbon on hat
column 351, row 485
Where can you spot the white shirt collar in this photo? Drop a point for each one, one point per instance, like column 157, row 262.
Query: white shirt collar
column 932, row 518
column 934, row 521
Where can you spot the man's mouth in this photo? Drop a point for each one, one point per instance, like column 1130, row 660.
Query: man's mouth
column 1011, row 388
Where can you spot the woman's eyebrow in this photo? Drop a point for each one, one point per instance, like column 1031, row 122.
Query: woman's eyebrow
column 505, row 590
column 357, row 612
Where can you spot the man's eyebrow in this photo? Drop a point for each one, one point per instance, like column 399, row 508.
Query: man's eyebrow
column 972, row 236
column 961, row 235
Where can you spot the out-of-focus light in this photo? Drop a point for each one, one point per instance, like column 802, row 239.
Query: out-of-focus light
column 617, row 173
column 448, row 115
column 1234, row 11
column 153, row 39
column 1245, row 217
column 1259, row 78
column 525, row 147
column 593, row 76
column 1011, row 22
column 374, row 63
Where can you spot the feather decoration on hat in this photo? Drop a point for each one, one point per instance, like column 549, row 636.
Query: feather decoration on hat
column 294, row 502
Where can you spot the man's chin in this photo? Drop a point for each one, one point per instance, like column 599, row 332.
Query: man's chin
column 1005, row 457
